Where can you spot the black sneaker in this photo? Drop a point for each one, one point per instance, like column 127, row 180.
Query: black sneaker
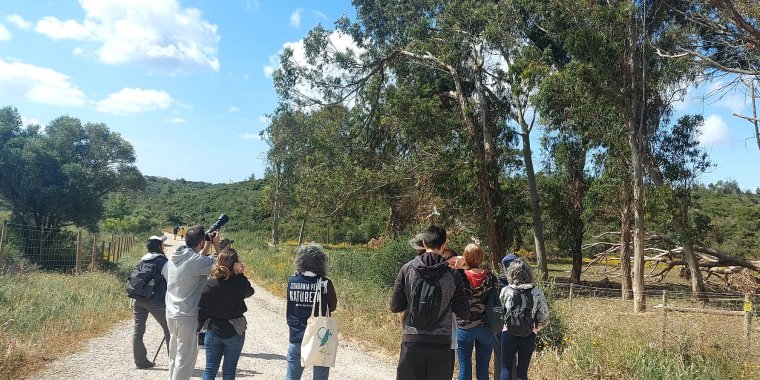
column 146, row 365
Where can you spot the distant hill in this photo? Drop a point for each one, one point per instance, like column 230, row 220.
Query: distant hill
column 165, row 202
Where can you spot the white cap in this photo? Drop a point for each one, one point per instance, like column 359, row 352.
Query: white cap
column 154, row 237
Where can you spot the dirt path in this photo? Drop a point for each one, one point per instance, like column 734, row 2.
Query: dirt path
column 110, row 356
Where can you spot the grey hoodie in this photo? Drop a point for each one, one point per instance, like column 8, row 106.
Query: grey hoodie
column 186, row 274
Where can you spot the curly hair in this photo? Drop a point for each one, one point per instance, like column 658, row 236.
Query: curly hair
column 225, row 262
column 519, row 272
column 311, row 258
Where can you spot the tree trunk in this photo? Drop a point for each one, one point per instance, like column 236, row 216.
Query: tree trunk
column 538, row 225
column 639, row 298
column 625, row 242
column 577, row 192
column 489, row 190
column 277, row 206
column 301, row 234
column 636, row 135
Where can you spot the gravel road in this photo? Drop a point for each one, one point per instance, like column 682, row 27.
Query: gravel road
column 110, row 356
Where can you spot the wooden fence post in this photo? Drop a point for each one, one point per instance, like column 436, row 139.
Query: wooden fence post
column 94, row 252
column 747, row 316
column 3, row 235
column 78, row 263
column 571, row 292
column 664, row 318
column 121, row 248
column 102, row 251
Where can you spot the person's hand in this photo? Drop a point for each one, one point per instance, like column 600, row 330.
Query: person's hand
column 215, row 237
column 238, row 267
column 456, row 262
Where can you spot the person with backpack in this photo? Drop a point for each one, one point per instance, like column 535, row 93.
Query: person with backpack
column 506, row 261
column 525, row 314
column 311, row 268
column 221, row 313
column 175, row 229
column 474, row 331
column 147, row 287
column 456, row 263
column 427, row 291
column 186, row 273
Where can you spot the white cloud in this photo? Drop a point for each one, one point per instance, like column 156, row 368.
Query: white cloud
column 5, row 34
column 234, row 109
column 28, row 121
column 250, row 136
column 158, row 33
column 338, row 42
column 38, row 84
column 319, row 14
column 176, row 120
column 715, row 132
column 63, row 30
column 263, row 119
column 273, row 64
column 133, row 100
column 295, row 18
column 78, row 51
column 19, row 22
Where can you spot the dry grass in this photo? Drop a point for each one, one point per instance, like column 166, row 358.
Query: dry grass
column 608, row 341
column 46, row 315
column 603, row 340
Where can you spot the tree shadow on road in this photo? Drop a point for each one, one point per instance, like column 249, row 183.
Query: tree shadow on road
column 264, row 356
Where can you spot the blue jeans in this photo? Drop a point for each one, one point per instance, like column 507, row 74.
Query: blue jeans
column 523, row 347
column 294, row 365
column 483, row 340
column 217, row 347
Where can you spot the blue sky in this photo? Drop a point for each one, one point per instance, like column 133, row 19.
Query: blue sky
column 188, row 84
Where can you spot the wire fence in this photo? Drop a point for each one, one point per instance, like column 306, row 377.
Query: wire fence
column 24, row 247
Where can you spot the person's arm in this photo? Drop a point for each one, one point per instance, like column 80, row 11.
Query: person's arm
column 202, row 309
column 239, row 269
column 398, row 297
column 460, row 302
column 542, row 310
column 332, row 297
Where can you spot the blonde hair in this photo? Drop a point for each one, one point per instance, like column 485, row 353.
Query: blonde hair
column 473, row 255
column 225, row 262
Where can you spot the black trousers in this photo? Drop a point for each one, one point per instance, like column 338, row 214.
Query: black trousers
column 424, row 361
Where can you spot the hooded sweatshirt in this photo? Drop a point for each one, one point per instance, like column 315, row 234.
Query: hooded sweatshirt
column 186, row 273
column 453, row 299
column 480, row 287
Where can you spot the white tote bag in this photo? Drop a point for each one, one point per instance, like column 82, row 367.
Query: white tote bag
column 320, row 341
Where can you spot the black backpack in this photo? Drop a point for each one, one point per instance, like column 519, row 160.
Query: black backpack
column 494, row 310
column 519, row 318
column 146, row 278
column 426, row 301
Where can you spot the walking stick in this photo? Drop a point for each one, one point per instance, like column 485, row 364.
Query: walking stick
column 159, row 348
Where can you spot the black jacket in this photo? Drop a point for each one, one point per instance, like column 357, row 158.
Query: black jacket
column 455, row 297
column 222, row 300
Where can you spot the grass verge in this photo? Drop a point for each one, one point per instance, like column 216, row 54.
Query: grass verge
column 46, row 315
